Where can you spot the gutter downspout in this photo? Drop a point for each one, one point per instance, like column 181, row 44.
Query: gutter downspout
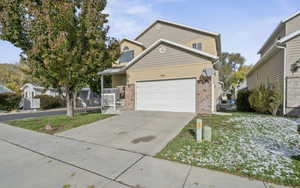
column 284, row 77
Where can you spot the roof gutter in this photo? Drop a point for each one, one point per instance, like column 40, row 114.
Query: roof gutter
column 270, row 37
column 262, row 59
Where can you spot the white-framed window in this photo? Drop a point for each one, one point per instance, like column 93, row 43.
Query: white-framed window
column 197, row 46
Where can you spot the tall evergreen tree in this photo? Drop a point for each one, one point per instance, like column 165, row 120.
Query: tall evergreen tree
column 64, row 42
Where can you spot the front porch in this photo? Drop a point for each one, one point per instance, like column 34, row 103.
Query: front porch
column 113, row 99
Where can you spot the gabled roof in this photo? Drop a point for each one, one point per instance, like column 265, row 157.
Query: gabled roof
column 202, row 31
column 291, row 17
column 134, row 42
column 160, row 41
column 153, row 46
column 178, row 25
column 279, row 26
column 272, row 50
column 289, row 37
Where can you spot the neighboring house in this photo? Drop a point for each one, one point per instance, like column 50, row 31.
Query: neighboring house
column 32, row 90
column 278, row 63
column 4, row 89
column 85, row 98
column 169, row 67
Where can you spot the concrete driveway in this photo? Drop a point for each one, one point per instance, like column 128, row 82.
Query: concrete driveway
column 141, row 132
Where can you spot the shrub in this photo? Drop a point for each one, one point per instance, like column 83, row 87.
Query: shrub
column 275, row 100
column 9, row 101
column 49, row 102
column 259, row 99
column 242, row 101
column 298, row 129
column 266, row 99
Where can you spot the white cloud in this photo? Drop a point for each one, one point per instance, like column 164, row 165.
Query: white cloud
column 138, row 9
column 128, row 18
column 124, row 28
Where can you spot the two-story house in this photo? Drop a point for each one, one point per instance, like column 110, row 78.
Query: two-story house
column 279, row 63
column 169, row 67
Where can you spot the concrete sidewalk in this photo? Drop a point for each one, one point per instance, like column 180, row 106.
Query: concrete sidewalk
column 31, row 159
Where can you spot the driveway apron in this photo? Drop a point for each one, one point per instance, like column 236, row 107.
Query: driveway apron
column 140, row 131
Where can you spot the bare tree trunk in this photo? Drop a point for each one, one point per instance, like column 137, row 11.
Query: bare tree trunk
column 70, row 103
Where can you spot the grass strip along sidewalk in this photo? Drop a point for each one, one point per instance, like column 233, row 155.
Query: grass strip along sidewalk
column 58, row 123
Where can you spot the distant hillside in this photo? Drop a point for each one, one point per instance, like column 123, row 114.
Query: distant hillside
column 12, row 76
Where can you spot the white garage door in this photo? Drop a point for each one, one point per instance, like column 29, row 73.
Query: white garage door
column 167, row 95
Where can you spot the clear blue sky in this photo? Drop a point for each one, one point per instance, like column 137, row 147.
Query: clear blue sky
column 244, row 25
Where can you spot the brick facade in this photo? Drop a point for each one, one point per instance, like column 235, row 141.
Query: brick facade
column 204, row 96
column 130, row 97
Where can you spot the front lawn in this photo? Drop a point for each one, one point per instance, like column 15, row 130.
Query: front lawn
column 257, row 146
column 58, row 123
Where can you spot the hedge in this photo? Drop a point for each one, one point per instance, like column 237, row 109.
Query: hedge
column 9, row 101
column 242, row 101
column 49, row 102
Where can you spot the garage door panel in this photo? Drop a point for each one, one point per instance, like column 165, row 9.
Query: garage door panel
column 167, row 95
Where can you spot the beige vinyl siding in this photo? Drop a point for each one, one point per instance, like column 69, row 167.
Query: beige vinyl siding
column 166, row 72
column 293, row 92
column 136, row 48
column 293, row 25
column 293, row 79
column 293, row 54
column 269, row 72
column 178, row 35
column 174, row 63
column 118, row 80
column 171, row 56
column 207, row 45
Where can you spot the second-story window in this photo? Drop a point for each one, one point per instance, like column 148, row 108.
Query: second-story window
column 126, row 56
column 197, row 46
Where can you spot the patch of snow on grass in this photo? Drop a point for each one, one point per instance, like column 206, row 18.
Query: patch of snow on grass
column 260, row 146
